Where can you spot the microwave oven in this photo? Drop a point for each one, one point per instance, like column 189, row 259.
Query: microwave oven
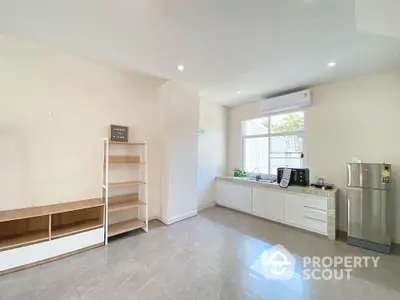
column 299, row 176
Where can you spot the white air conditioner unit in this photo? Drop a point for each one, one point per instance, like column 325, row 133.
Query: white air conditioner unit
column 288, row 102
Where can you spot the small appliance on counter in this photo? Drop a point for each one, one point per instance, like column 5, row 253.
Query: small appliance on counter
column 299, row 176
column 320, row 184
column 369, row 203
column 325, row 186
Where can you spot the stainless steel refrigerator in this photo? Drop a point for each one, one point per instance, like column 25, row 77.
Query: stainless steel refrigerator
column 369, row 206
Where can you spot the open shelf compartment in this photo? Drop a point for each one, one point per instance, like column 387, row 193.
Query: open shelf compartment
column 23, row 232
column 68, row 223
column 124, row 202
column 126, row 226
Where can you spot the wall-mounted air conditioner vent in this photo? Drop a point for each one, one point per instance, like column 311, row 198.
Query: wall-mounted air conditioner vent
column 288, row 102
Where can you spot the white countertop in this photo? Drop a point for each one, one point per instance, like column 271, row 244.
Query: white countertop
column 310, row 190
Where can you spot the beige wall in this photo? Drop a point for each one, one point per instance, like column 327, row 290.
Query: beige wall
column 354, row 118
column 54, row 112
column 179, row 118
column 212, row 150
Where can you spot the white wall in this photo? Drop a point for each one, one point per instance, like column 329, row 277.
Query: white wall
column 353, row 118
column 212, row 150
column 179, row 117
column 54, row 112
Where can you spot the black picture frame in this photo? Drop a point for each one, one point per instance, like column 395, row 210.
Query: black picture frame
column 119, row 133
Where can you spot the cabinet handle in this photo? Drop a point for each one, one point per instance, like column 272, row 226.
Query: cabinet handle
column 306, row 217
column 316, row 208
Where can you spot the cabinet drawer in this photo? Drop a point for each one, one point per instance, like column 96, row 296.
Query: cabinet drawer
column 76, row 242
column 23, row 256
column 316, row 202
column 315, row 213
column 315, row 225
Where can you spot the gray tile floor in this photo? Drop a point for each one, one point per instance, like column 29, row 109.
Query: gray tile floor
column 217, row 255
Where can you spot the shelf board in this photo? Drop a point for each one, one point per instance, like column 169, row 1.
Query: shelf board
column 27, row 238
column 125, row 226
column 69, row 229
column 124, row 184
column 127, row 143
column 124, row 205
column 119, row 159
column 123, row 198
column 32, row 212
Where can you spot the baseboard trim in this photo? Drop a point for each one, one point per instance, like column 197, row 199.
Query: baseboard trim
column 207, row 205
column 381, row 248
column 180, row 218
column 152, row 218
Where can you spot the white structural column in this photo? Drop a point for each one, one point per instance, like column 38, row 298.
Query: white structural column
column 179, row 115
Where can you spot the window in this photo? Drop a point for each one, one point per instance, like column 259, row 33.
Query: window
column 272, row 142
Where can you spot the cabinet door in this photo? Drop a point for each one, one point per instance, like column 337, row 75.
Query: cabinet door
column 234, row 196
column 24, row 255
column 76, row 242
column 269, row 204
column 294, row 205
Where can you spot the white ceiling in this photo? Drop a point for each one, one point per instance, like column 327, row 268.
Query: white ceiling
column 260, row 47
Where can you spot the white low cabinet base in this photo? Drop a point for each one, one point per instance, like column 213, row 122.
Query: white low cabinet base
column 19, row 257
column 76, row 242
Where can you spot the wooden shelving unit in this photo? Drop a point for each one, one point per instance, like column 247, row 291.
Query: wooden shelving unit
column 31, row 212
column 133, row 202
column 27, row 226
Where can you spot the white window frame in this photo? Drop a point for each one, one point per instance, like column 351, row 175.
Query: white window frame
column 269, row 135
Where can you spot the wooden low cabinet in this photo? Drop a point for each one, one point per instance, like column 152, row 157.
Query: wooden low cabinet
column 37, row 235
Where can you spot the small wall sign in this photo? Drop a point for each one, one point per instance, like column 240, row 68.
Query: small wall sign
column 119, row 133
column 201, row 131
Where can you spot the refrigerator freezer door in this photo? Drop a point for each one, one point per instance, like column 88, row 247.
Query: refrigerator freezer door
column 367, row 211
column 368, row 176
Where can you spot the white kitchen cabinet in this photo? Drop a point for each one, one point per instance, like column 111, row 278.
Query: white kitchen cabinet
column 269, row 204
column 301, row 207
column 235, row 196
column 315, row 214
column 294, row 204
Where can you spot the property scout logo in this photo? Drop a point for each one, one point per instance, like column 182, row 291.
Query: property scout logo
column 279, row 264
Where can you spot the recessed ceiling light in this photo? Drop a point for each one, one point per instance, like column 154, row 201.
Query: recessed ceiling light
column 238, row 92
column 331, row 64
column 180, row 68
